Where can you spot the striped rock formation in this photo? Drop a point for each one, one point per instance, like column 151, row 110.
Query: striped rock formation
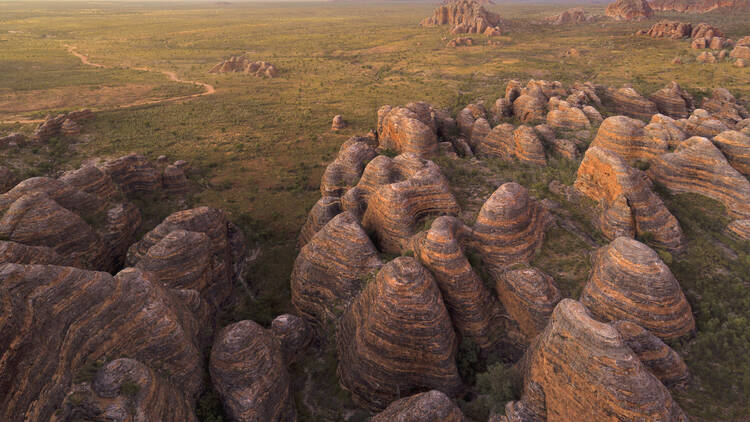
column 396, row 338
column 665, row 128
column 529, row 296
column 627, row 138
column 126, row 389
column 332, row 268
column 91, row 179
column 629, row 10
column 673, row 101
column 321, row 213
column 402, row 193
column 499, row 142
column 528, row 148
column 629, row 102
column 173, row 180
column 736, row 148
column 580, row 369
column 530, row 108
column 659, row 358
column 701, row 123
column 699, row 6
column 479, row 132
column 346, row 169
column 62, row 124
column 226, row 248
column 249, row 373
column 468, row 301
column 133, row 173
column 67, row 196
column 431, row 406
column 58, row 320
column 630, row 207
column 670, row 29
column 244, row 64
column 571, row 16
column 464, row 16
column 294, row 335
column 697, row 166
column 510, row 227
column 630, row 282
column 467, row 117
column 723, row 106
column 18, row 253
column 403, row 130
column 567, row 118
column 739, row 229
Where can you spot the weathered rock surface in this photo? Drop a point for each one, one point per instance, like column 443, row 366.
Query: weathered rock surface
column 630, row 207
column 665, row 128
column 321, row 213
column 499, row 142
column 62, row 124
column 346, row 169
column 670, row 29
column 338, row 122
column 460, row 42
column 249, row 373
column 174, row 181
column 629, row 10
column 736, row 148
column 396, row 338
column 673, row 101
column 332, row 268
column 244, row 64
column 699, row 6
column 294, row 335
column 432, row 406
column 467, row 117
column 575, row 15
column 529, row 296
column 528, row 148
column 581, row 369
column 630, row 282
column 742, row 48
column 510, row 226
column 740, row 229
column 723, row 106
column 628, row 139
column 403, row 130
column 697, row 166
column 13, row 139
column 133, row 173
column 706, row 57
column 629, row 102
column 530, row 108
column 701, row 123
column 659, row 358
column 91, row 179
column 464, row 16
column 567, row 118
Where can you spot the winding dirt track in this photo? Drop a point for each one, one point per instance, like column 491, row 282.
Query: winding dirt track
column 207, row 88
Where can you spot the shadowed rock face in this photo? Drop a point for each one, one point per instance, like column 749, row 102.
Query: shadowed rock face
column 126, row 389
column 294, row 335
column 466, row 119
column 464, row 16
column 629, row 102
column 627, row 138
column 699, row 6
column 133, row 173
column 581, row 370
column 331, row 269
column 321, row 213
column 58, row 319
column 659, row 358
column 630, row 207
column 431, row 406
column 18, row 253
column 248, row 372
column 673, row 101
column 723, row 106
column 396, row 338
column 736, row 148
column 510, row 226
column 67, row 196
column 529, row 296
column 346, row 169
column 630, row 282
column 401, row 129
column 629, row 10
column 403, row 192
column 670, row 29
column 467, row 299
column 173, row 180
column 91, row 179
column 697, row 166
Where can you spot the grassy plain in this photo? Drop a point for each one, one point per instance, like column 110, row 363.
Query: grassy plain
column 260, row 145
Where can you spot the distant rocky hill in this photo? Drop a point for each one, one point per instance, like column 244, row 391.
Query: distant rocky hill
column 465, row 16
column 629, row 10
column 699, row 6
column 243, row 64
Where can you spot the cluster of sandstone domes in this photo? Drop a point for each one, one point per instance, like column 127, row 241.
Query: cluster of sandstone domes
column 244, row 64
column 699, row 6
column 575, row 15
column 62, row 124
column 465, row 16
column 629, row 10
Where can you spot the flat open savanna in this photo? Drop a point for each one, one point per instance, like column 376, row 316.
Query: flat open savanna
column 260, row 145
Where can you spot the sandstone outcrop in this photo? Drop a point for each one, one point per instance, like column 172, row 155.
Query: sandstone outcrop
column 528, row 148
column 665, row 128
column 338, row 123
column 431, row 406
column 736, row 148
column 670, row 29
column 321, row 213
column 510, row 226
column 249, row 373
column 742, row 48
column 174, row 181
column 499, row 142
column 706, row 57
column 133, row 173
column 739, row 229
column 630, row 207
column 91, row 179
column 697, row 166
column 723, row 106
column 659, row 358
column 629, row 102
column 529, row 296
column 244, row 64
column 53, row 126
column 294, row 335
column 629, row 10
column 581, row 369
column 673, row 101
column 467, row 117
column 530, row 108
column 346, row 169
column 699, row 6
column 575, row 15
column 332, row 268
column 464, row 16
column 628, row 139
column 403, row 130
column 701, row 123
column 396, row 338
column 13, row 139
column 630, row 282
column 567, row 118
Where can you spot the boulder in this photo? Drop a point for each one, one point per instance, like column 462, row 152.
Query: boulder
column 665, row 128
column 396, row 338
column 12, row 140
column 499, row 142
column 629, row 102
column 628, row 138
column 697, row 166
column 528, row 148
column 530, row 108
column 401, row 129
column 568, row 118
column 133, row 173
column 670, row 29
column 467, row 117
column 528, row 296
column 249, row 373
column 723, row 106
column 431, row 406
column 673, row 101
column 630, row 282
column 173, row 180
column 706, row 57
column 338, row 123
column 244, row 64
column 460, row 42
column 629, row 10
column 701, row 123
column 736, row 148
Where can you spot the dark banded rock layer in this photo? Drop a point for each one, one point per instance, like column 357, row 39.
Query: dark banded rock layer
column 659, row 358
column 294, row 335
column 528, row 146
column 700, row 6
column 530, row 108
column 580, row 369
column 739, row 229
column 67, row 196
column 736, row 148
column 467, row 117
column 723, row 106
column 467, row 299
column 673, row 101
column 19, row 253
column 630, row 282
column 128, row 389
column 173, row 180
column 249, row 373
column 499, row 142
column 701, row 123
column 56, row 320
column 664, row 128
column 332, row 268
column 629, row 102
column 697, row 166
column 400, row 129
column 567, row 118
column 396, row 338
column 630, row 207
column 321, row 213
column 346, row 169
column 431, row 406
column 529, row 296
column 133, row 173
column 92, row 180
column 510, row 226
column 627, row 138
